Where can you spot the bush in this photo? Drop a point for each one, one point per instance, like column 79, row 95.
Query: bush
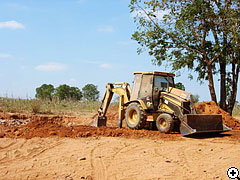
column 45, row 91
column 64, row 92
column 90, row 92
column 35, row 106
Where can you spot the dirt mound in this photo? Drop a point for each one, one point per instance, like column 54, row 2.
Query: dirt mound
column 112, row 117
column 207, row 107
column 210, row 107
column 47, row 128
column 29, row 126
column 14, row 116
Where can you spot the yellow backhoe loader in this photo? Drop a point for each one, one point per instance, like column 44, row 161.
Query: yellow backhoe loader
column 155, row 100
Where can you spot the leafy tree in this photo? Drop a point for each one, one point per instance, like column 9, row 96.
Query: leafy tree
column 66, row 92
column 90, row 92
column 195, row 98
column 45, row 91
column 201, row 35
column 179, row 85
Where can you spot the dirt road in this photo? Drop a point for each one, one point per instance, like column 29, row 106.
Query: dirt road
column 119, row 158
column 67, row 148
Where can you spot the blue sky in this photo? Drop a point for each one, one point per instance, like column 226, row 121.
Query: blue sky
column 72, row 42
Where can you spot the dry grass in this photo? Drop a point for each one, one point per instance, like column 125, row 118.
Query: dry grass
column 237, row 117
column 67, row 107
column 236, row 110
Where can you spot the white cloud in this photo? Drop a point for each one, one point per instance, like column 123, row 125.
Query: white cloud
column 125, row 43
column 105, row 66
column 11, row 25
column 100, row 64
column 81, row 1
column 159, row 14
column 16, row 6
column 51, row 66
column 73, row 80
column 5, row 56
column 23, row 67
column 107, row 28
column 91, row 62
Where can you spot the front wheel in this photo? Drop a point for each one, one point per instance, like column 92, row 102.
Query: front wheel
column 135, row 116
column 165, row 123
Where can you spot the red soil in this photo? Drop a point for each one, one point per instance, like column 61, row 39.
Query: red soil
column 210, row 107
column 45, row 125
column 50, row 127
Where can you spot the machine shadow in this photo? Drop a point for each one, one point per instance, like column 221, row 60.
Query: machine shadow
column 207, row 135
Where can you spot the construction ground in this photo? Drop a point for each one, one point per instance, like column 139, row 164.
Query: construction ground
column 67, row 147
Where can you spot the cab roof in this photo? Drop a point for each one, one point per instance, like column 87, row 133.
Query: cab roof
column 155, row 73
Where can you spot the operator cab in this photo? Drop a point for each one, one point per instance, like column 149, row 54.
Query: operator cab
column 147, row 87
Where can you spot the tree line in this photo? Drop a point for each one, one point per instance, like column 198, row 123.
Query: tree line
column 65, row 92
column 200, row 35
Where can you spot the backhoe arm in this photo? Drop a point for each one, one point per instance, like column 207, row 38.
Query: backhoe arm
column 124, row 92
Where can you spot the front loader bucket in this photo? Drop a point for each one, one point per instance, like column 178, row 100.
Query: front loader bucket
column 202, row 123
column 100, row 121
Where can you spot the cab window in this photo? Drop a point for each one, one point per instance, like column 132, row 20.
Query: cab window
column 146, row 86
column 161, row 82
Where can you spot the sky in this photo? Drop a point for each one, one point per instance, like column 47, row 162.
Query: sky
column 74, row 42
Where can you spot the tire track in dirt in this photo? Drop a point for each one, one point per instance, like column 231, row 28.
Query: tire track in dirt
column 7, row 146
column 184, row 163
column 10, row 150
column 113, row 160
column 178, row 157
column 99, row 170
column 131, row 152
column 121, row 158
column 49, row 148
column 14, row 154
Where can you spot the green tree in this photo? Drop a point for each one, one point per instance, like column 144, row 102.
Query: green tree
column 90, row 92
column 45, row 91
column 195, row 98
column 201, row 35
column 66, row 92
column 179, row 85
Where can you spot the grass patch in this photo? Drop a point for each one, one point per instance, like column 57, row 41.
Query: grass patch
column 66, row 107
column 236, row 110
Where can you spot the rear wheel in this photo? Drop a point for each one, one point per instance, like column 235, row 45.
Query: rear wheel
column 135, row 116
column 165, row 123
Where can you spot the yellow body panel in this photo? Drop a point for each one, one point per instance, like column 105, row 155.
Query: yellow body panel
column 142, row 104
column 164, row 107
column 122, row 92
column 172, row 100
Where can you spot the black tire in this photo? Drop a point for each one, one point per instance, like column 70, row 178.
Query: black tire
column 135, row 116
column 165, row 123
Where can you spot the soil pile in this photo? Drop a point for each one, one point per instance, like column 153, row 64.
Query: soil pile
column 207, row 107
column 50, row 127
column 210, row 107
column 112, row 117
column 29, row 126
column 16, row 117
